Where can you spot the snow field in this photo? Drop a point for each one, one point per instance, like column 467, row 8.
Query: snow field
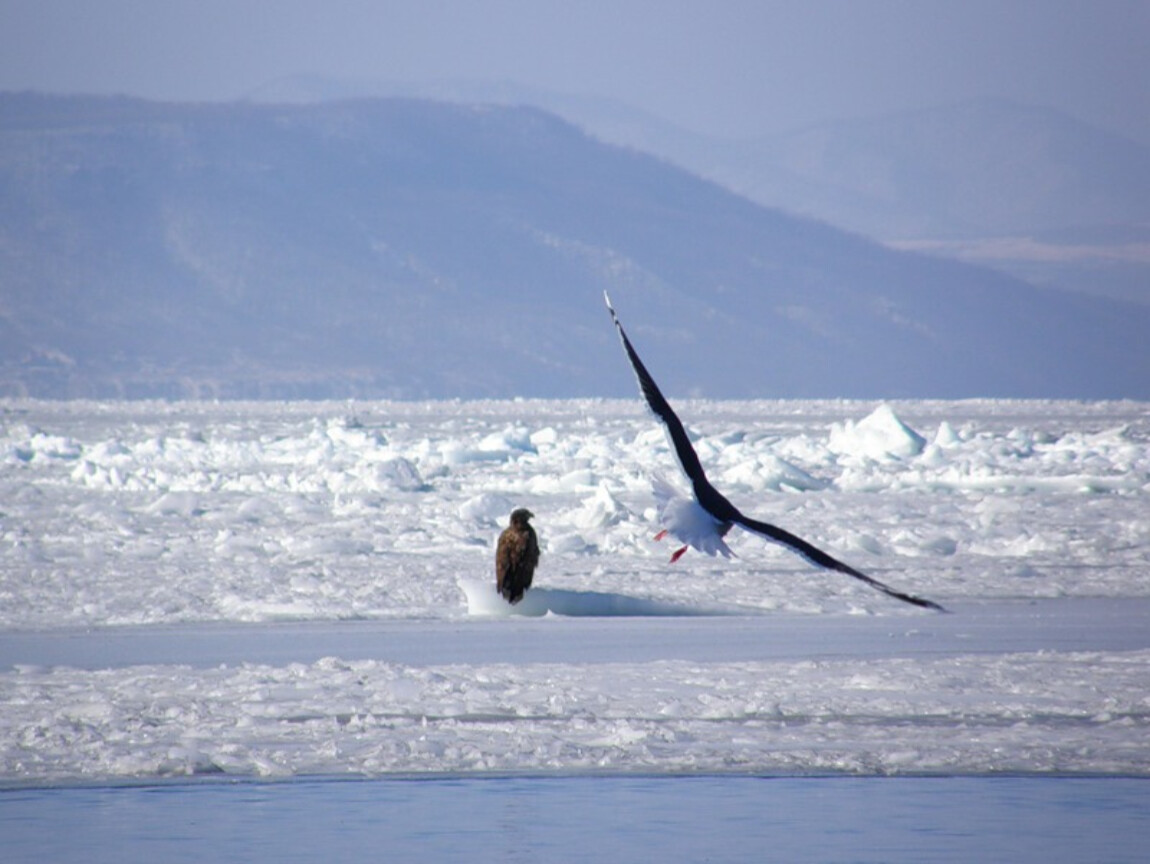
column 148, row 515
column 155, row 513
column 1030, row 713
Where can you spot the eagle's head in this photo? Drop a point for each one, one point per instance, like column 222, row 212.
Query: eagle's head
column 520, row 516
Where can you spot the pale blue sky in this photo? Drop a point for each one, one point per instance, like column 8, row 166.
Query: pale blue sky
column 730, row 68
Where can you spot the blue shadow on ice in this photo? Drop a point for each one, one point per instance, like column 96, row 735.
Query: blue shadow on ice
column 483, row 600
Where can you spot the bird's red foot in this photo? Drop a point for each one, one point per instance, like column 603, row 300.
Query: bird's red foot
column 678, row 554
column 661, row 534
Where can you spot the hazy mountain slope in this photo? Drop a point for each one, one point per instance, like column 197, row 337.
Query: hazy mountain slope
column 408, row 248
column 1023, row 189
column 969, row 169
column 966, row 170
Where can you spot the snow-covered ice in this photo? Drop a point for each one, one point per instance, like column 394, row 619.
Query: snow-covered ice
column 364, row 533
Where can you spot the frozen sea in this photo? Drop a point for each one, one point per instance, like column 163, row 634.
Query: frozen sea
column 249, row 631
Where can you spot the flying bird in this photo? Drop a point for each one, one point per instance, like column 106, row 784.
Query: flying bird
column 704, row 520
column 516, row 556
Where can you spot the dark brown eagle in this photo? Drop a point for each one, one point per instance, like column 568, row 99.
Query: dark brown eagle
column 516, row 556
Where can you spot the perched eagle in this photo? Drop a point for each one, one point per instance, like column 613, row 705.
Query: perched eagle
column 516, row 556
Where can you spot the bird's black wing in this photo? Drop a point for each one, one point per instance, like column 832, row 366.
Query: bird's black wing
column 822, row 559
column 705, row 493
column 714, row 502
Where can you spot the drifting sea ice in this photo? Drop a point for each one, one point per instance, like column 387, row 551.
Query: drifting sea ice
column 149, row 515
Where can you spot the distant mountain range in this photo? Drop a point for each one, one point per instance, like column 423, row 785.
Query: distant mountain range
column 1021, row 188
column 413, row 249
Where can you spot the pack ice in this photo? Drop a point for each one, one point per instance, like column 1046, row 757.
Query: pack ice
column 296, row 589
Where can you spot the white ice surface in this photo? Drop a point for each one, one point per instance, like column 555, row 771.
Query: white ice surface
column 155, row 527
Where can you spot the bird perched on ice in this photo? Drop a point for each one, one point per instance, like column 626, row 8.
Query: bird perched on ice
column 516, row 556
column 704, row 520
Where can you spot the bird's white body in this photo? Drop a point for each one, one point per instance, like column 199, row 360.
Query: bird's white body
column 686, row 520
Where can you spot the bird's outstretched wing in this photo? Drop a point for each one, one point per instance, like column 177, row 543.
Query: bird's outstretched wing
column 684, row 452
column 822, row 559
column 714, row 502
